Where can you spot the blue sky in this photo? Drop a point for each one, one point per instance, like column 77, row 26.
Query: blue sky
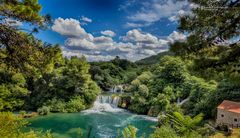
column 103, row 29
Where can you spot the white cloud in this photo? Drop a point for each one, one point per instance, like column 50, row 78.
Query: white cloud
column 148, row 52
column 86, row 19
column 97, row 43
column 154, row 10
column 135, row 45
column 82, row 44
column 69, row 27
column 143, row 39
column 138, row 36
column 177, row 16
column 108, row 33
column 136, row 25
column 173, row 18
column 90, row 57
column 176, row 36
column 102, row 40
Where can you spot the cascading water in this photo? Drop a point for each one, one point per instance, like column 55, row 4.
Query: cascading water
column 104, row 119
column 105, row 103
column 116, row 89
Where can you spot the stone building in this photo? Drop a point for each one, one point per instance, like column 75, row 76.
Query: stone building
column 228, row 114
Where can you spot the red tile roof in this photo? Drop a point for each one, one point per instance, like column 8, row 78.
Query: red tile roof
column 230, row 106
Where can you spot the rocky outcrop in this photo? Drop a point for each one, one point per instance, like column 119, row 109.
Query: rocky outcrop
column 153, row 111
column 124, row 102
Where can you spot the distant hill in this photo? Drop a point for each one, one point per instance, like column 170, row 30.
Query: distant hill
column 153, row 59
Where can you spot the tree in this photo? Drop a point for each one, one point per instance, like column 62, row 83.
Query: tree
column 185, row 125
column 22, row 56
column 26, row 11
column 12, row 89
column 108, row 74
column 11, row 127
column 211, row 22
column 69, row 85
column 172, row 69
column 20, row 49
column 140, row 93
column 200, row 92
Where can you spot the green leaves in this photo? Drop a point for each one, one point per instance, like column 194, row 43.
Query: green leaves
column 164, row 132
column 184, row 125
column 12, row 127
column 26, row 10
column 68, row 86
column 129, row 132
column 12, row 89
column 111, row 73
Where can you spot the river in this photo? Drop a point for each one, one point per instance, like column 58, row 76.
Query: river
column 103, row 120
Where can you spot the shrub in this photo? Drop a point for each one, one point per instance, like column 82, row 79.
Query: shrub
column 164, row 132
column 12, row 126
column 22, row 113
column 75, row 104
column 43, row 110
column 56, row 105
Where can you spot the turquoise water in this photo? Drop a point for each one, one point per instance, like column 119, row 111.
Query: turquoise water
column 101, row 124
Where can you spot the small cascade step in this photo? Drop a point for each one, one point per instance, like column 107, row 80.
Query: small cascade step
column 106, row 103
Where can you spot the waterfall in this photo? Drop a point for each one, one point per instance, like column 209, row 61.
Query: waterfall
column 184, row 101
column 115, row 101
column 178, row 100
column 114, row 89
column 105, row 103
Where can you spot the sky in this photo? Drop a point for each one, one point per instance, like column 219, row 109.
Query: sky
column 103, row 29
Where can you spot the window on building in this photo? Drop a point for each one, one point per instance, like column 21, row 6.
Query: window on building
column 222, row 115
column 235, row 119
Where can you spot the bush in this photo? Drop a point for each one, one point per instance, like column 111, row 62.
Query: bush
column 75, row 104
column 22, row 113
column 43, row 110
column 56, row 105
column 164, row 132
column 12, row 126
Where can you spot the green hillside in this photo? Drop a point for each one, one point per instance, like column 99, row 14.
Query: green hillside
column 153, row 59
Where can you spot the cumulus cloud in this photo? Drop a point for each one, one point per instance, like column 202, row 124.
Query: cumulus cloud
column 176, row 36
column 136, row 35
column 108, row 33
column 143, row 39
column 90, row 57
column 97, row 43
column 154, row 10
column 69, row 27
column 177, row 16
column 134, row 45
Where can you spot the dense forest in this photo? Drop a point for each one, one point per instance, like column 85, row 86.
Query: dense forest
column 182, row 86
column 111, row 73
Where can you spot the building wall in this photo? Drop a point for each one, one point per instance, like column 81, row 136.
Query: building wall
column 228, row 118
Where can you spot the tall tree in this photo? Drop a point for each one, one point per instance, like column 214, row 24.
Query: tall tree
column 212, row 22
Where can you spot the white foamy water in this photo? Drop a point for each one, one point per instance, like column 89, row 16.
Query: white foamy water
column 105, row 103
column 108, row 103
column 154, row 119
